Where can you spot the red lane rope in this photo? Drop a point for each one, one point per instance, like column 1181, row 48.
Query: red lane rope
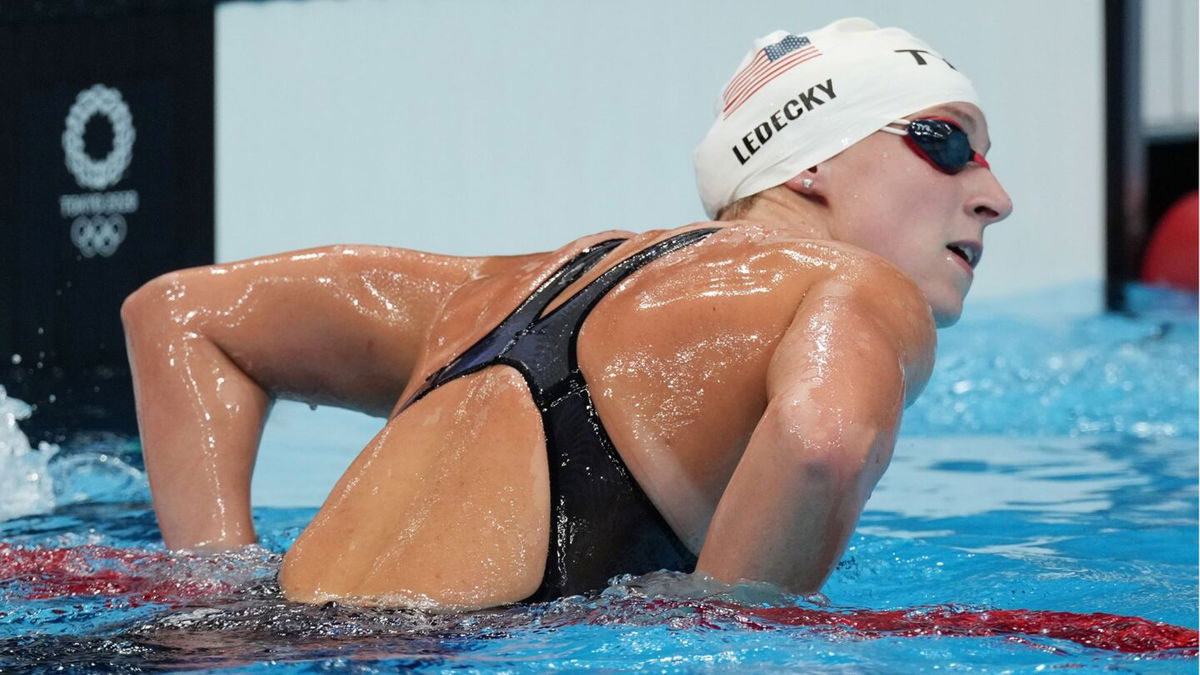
column 158, row 577
column 144, row 576
column 1103, row 631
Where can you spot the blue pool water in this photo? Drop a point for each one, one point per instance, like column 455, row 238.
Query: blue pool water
column 1050, row 465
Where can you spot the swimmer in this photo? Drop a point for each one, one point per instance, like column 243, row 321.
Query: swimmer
column 719, row 398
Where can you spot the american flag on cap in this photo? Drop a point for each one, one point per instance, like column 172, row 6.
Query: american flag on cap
column 770, row 62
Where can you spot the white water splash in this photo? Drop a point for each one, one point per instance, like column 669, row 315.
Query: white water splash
column 26, row 486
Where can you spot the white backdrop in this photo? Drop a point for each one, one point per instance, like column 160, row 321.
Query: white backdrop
column 485, row 126
column 1170, row 97
column 475, row 127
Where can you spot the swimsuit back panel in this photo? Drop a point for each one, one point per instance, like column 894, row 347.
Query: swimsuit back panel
column 602, row 523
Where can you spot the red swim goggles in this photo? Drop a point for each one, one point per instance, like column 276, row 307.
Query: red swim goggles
column 939, row 141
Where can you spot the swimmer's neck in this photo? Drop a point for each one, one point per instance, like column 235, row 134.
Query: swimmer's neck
column 780, row 207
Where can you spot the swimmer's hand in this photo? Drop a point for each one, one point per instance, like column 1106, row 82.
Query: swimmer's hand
column 836, row 387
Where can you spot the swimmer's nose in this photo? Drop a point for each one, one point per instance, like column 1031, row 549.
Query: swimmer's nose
column 990, row 203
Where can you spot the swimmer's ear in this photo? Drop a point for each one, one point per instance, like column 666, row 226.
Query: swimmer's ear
column 808, row 182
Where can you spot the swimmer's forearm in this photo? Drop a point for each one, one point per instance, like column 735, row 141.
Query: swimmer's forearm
column 200, row 420
column 790, row 508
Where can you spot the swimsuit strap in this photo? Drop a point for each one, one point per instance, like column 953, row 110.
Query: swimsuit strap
column 601, row 522
column 485, row 352
column 546, row 349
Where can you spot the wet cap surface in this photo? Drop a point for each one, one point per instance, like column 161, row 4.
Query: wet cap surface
column 797, row 99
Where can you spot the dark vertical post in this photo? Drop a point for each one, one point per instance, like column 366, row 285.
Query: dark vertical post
column 1125, row 151
column 106, row 181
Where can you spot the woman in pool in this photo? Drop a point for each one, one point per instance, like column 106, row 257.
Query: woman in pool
column 720, row 397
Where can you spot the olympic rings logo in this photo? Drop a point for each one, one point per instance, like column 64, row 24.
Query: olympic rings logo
column 98, row 235
column 99, row 100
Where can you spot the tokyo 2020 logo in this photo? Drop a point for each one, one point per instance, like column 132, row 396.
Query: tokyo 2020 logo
column 96, row 229
column 98, row 235
column 88, row 172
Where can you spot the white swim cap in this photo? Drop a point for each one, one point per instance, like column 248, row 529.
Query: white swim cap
column 797, row 100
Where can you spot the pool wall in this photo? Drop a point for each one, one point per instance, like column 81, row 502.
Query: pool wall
column 472, row 127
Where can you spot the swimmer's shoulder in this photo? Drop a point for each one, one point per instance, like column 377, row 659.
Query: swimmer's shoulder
column 862, row 282
column 754, row 249
column 495, row 266
column 753, row 244
column 817, row 259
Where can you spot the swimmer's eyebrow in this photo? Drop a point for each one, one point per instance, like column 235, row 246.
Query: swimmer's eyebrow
column 961, row 116
column 986, row 147
column 967, row 120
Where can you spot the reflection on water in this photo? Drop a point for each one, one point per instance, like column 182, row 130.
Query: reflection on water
column 1007, row 374
column 942, row 477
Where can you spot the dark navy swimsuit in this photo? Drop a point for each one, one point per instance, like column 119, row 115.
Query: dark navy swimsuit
column 601, row 523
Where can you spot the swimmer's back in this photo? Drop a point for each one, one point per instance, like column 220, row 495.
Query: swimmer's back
column 676, row 359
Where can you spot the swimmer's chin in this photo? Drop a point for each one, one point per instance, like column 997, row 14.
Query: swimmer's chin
column 946, row 317
column 946, row 322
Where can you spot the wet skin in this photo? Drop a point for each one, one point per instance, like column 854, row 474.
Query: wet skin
column 899, row 206
column 753, row 384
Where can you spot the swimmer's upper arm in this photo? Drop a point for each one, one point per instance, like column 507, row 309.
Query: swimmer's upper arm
column 211, row 347
column 859, row 347
column 340, row 325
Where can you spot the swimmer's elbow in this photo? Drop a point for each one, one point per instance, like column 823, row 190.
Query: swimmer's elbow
column 294, row 586
column 135, row 305
column 827, row 447
column 300, row 581
column 804, row 442
column 148, row 299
